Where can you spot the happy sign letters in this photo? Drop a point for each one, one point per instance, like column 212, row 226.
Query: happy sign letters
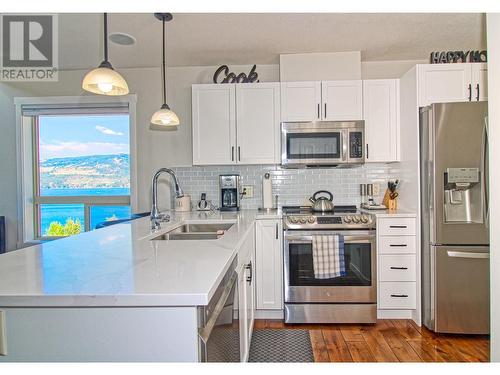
column 446, row 57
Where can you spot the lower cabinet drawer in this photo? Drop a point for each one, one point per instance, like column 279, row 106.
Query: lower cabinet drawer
column 396, row 244
column 397, row 295
column 404, row 226
column 397, row 268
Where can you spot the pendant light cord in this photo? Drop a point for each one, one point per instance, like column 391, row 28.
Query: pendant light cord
column 164, row 70
column 106, row 37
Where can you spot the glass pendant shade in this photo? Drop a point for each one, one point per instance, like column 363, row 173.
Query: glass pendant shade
column 105, row 81
column 165, row 117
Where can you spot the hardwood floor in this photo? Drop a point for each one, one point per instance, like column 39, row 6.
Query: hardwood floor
column 387, row 341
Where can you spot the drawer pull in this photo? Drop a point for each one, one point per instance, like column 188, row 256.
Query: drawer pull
column 398, row 245
column 399, row 268
column 400, row 295
column 398, row 226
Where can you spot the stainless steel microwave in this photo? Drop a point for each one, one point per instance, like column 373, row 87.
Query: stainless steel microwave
column 322, row 144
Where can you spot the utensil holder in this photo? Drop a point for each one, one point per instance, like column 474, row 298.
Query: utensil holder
column 392, row 204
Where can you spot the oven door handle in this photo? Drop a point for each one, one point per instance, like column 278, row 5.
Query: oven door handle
column 347, row 239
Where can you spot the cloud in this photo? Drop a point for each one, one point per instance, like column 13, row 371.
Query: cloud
column 67, row 149
column 107, row 131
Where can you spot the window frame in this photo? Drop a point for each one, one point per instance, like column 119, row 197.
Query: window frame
column 27, row 171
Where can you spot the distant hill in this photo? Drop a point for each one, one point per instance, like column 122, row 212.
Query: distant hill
column 82, row 172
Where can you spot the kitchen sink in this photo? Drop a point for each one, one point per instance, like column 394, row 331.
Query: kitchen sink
column 195, row 232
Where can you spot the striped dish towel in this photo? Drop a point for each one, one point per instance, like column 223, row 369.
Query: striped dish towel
column 328, row 256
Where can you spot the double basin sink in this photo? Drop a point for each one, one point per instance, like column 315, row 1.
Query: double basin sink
column 195, row 231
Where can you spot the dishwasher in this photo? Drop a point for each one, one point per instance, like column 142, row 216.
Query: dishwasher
column 218, row 322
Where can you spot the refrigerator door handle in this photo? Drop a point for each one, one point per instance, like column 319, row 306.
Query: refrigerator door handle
column 484, row 172
column 461, row 254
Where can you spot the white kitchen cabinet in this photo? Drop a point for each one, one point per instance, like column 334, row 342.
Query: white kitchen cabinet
column 326, row 100
column 236, row 123
column 301, row 101
column 269, row 265
column 480, row 82
column 382, row 121
column 446, row 83
column 396, row 265
column 342, row 100
column 246, row 288
column 258, row 123
column 214, row 124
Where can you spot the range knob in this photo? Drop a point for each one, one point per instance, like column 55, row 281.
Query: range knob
column 293, row 220
column 364, row 219
column 303, row 220
column 355, row 219
column 347, row 219
column 311, row 220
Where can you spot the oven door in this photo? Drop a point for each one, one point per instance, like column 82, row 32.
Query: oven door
column 312, row 144
column 357, row 286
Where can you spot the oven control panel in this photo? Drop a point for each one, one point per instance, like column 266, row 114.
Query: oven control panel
column 311, row 221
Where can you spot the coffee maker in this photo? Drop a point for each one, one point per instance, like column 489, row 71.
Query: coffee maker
column 229, row 185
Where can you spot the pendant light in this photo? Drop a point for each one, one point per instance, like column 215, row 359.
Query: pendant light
column 164, row 117
column 104, row 80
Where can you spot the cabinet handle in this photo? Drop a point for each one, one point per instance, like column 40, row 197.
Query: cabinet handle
column 232, row 153
column 470, row 92
column 367, row 150
column 318, row 112
column 400, row 295
column 325, row 110
column 276, row 230
column 249, row 267
column 398, row 245
column 239, row 153
column 399, row 268
column 398, row 226
column 477, row 90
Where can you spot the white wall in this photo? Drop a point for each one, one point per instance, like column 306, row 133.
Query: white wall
column 493, row 35
column 387, row 69
column 320, row 66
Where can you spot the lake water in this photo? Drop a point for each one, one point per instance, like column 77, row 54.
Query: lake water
column 98, row 214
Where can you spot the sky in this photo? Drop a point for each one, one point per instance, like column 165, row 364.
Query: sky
column 78, row 135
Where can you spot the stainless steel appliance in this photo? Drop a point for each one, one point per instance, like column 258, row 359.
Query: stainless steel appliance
column 218, row 322
column 454, row 207
column 351, row 298
column 322, row 143
column 230, row 188
column 322, row 204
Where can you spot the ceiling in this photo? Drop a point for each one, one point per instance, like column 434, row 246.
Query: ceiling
column 239, row 38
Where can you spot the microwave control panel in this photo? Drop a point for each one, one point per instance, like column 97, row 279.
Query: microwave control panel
column 355, row 145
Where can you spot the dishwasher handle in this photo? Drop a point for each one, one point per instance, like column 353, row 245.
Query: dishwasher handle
column 205, row 332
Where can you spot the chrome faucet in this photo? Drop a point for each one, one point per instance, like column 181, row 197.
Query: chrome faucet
column 156, row 216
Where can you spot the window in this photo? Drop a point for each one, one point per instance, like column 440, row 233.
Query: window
column 77, row 170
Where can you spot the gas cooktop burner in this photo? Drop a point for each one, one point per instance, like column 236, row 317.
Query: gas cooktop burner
column 303, row 217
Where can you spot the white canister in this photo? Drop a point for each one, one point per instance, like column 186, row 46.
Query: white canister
column 183, row 203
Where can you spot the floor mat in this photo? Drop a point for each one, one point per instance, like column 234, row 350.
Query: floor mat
column 281, row 345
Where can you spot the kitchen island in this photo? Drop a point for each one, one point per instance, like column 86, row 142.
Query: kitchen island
column 115, row 294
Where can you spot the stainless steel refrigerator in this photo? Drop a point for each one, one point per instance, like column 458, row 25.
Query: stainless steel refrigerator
column 454, row 208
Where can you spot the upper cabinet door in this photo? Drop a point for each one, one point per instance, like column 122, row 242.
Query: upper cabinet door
column 258, row 123
column 479, row 82
column 342, row 100
column 381, row 113
column 300, row 101
column 444, row 83
column 214, row 124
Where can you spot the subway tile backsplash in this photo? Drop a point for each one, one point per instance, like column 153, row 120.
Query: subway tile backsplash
column 293, row 186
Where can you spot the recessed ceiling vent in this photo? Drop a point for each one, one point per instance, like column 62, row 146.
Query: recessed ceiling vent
column 122, row 39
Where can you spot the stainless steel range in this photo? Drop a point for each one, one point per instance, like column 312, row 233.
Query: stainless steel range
column 348, row 298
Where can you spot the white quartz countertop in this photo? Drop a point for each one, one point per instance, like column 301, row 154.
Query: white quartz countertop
column 390, row 213
column 120, row 266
